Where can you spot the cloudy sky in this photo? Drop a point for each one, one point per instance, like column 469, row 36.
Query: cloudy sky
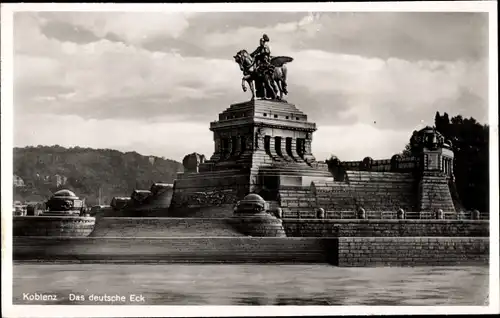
column 152, row 82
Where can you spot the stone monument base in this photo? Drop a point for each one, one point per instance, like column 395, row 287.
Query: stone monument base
column 259, row 225
column 56, row 226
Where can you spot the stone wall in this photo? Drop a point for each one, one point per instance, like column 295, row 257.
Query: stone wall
column 345, row 251
column 259, row 225
column 56, row 226
column 434, row 192
column 374, row 191
column 297, row 202
column 395, row 164
column 163, row 227
column 412, row 251
column 182, row 250
column 209, row 189
column 385, row 228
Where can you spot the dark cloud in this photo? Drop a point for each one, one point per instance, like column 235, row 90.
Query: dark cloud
column 409, row 35
column 66, row 32
column 227, row 21
column 466, row 104
column 190, row 44
column 113, row 37
column 406, row 35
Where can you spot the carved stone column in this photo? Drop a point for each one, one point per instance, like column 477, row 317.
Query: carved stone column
column 259, row 140
column 308, row 156
column 217, row 150
column 284, row 151
column 295, row 154
column 272, row 149
column 229, row 150
column 308, row 147
column 248, row 143
column 237, row 146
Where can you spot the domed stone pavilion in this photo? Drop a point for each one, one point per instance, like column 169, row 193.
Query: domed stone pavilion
column 64, row 202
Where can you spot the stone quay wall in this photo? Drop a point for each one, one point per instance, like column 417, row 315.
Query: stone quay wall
column 56, row 226
column 385, row 228
column 412, row 251
column 177, row 250
column 343, row 251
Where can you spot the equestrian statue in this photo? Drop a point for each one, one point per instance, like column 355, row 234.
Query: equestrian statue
column 265, row 75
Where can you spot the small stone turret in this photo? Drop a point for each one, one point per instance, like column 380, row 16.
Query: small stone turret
column 251, row 204
column 436, row 151
column 64, row 202
column 436, row 157
column 251, row 217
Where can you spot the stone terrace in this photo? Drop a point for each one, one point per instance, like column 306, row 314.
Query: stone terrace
column 374, row 191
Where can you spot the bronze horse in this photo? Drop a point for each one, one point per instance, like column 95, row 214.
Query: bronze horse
column 268, row 85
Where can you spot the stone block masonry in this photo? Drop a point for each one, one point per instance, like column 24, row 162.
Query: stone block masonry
column 177, row 250
column 374, row 191
column 164, row 227
column 434, row 192
column 209, row 189
column 57, row 226
column 385, row 228
column 343, row 251
column 412, row 251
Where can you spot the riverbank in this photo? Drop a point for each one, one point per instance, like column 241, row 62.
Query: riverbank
column 340, row 251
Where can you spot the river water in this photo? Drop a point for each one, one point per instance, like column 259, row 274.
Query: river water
column 249, row 284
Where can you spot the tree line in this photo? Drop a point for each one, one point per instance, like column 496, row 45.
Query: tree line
column 470, row 142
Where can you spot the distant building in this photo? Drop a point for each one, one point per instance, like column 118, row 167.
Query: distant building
column 18, row 182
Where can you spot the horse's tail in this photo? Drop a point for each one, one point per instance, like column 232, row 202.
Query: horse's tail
column 283, row 69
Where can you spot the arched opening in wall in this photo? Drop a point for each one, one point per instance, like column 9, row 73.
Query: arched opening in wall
column 234, row 140
column 277, row 146
column 288, row 146
column 267, row 144
column 301, row 147
column 243, row 143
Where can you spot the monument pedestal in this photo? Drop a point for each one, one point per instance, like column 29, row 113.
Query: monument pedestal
column 260, row 146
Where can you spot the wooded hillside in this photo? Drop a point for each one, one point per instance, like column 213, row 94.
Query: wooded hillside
column 87, row 172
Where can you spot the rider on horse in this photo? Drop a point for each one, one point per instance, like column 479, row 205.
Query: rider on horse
column 262, row 57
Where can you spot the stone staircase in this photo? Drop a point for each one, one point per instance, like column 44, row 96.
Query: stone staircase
column 297, row 202
column 163, row 227
column 374, row 191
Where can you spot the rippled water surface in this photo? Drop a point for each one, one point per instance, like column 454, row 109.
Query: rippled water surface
column 177, row 284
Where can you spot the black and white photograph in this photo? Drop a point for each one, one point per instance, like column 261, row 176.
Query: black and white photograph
column 326, row 157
